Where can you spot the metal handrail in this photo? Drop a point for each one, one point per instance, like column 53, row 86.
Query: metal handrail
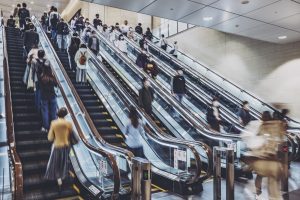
column 16, row 162
column 192, row 72
column 109, row 156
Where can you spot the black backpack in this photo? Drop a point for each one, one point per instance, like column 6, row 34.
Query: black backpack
column 54, row 20
column 24, row 13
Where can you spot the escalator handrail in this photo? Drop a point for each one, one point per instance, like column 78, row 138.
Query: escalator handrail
column 209, row 134
column 192, row 72
column 16, row 162
column 109, row 156
column 127, row 99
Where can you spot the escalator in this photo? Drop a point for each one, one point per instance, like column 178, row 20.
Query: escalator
column 32, row 144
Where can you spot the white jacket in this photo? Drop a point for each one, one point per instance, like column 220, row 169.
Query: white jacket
column 122, row 45
column 78, row 55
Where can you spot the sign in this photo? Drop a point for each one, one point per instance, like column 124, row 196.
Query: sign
column 232, row 145
column 179, row 155
column 103, row 167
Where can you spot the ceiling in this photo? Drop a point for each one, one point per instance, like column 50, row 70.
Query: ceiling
column 265, row 20
column 36, row 7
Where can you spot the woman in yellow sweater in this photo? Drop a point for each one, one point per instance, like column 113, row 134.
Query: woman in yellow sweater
column 60, row 134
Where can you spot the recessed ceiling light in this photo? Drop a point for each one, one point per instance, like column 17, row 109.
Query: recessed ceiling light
column 245, row 2
column 171, row 8
column 282, row 37
column 31, row 2
column 48, row 6
column 207, row 18
column 13, row 5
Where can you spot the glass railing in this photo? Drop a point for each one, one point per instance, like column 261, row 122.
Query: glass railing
column 206, row 77
column 89, row 154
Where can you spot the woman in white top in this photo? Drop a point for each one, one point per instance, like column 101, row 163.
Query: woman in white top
column 122, row 44
column 130, row 34
column 32, row 55
column 112, row 34
column 174, row 50
column 133, row 133
column 81, row 59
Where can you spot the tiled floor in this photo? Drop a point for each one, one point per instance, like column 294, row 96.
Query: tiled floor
column 243, row 191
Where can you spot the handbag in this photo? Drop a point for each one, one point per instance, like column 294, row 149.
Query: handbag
column 25, row 77
column 30, row 83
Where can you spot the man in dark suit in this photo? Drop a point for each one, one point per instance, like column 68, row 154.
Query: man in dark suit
column 31, row 38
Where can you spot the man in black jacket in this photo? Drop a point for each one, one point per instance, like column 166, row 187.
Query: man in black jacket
column 141, row 60
column 93, row 43
column 62, row 33
column 97, row 22
column 146, row 96
column 31, row 38
column 139, row 29
column 23, row 13
column 178, row 85
column 11, row 22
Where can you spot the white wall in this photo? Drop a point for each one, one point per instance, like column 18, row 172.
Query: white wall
column 271, row 71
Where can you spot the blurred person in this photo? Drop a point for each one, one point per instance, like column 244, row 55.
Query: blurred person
column 148, row 34
column 124, row 28
column 141, row 59
column 106, row 31
column 79, row 24
column 97, row 22
column 174, row 50
column 112, row 34
column 179, row 85
column 86, row 34
column 146, row 47
column 38, row 66
column 11, row 22
column 23, row 13
column 44, row 21
column 86, row 22
column 139, row 29
column 117, row 27
column 133, row 133
column 213, row 115
column 62, row 35
column 122, row 44
column 53, row 21
column 16, row 16
column 142, row 41
column 73, row 48
column 28, row 75
column 31, row 38
column 48, row 96
column 146, row 96
column 93, row 43
column 244, row 114
column 60, row 134
column 73, row 22
column 163, row 42
column 130, row 34
column 81, row 59
column 151, row 68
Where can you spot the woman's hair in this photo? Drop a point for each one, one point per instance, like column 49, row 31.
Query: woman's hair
column 83, row 46
column 266, row 116
column 62, row 112
column 41, row 53
column 133, row 116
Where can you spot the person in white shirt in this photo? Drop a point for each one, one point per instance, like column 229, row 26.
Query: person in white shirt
column 122, row 44
column 125, row 28
column 73, row 21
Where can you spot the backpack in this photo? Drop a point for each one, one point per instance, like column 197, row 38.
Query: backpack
column 54, row 20
column 82, row 59
column 24, row 13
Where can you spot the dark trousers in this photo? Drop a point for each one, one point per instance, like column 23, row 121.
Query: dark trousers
column 49, row 108
column 72, row 61
column 22, row 23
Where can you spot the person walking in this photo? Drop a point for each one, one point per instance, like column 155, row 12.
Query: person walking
column 139, row 29
column 81, row 59
column 16, row 16
column 151, row 68
column 179, row 85
column 62, row 34
column 122, row 44
column 244, row 114
column 146, row 96
column 97, row 22
column 48, row 96
column 28, row 75
column 31, row 38
column 213, row 115
column 141, row 60
column 60, row 134
column 174, row 51
column 124, row 28
column 149, row 34
column 11, row 22
column 73, row 48
column 133, row 133
column 163, row 42
column 93, row 43
column 23, row 13
column 53, row 20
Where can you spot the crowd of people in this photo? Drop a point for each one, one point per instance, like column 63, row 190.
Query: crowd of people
column 39, row 78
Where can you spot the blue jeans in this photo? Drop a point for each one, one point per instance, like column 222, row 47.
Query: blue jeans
column 179, row 97
column 37, row 97
column 61, row 41
column 49, row 108
column 53, row 33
